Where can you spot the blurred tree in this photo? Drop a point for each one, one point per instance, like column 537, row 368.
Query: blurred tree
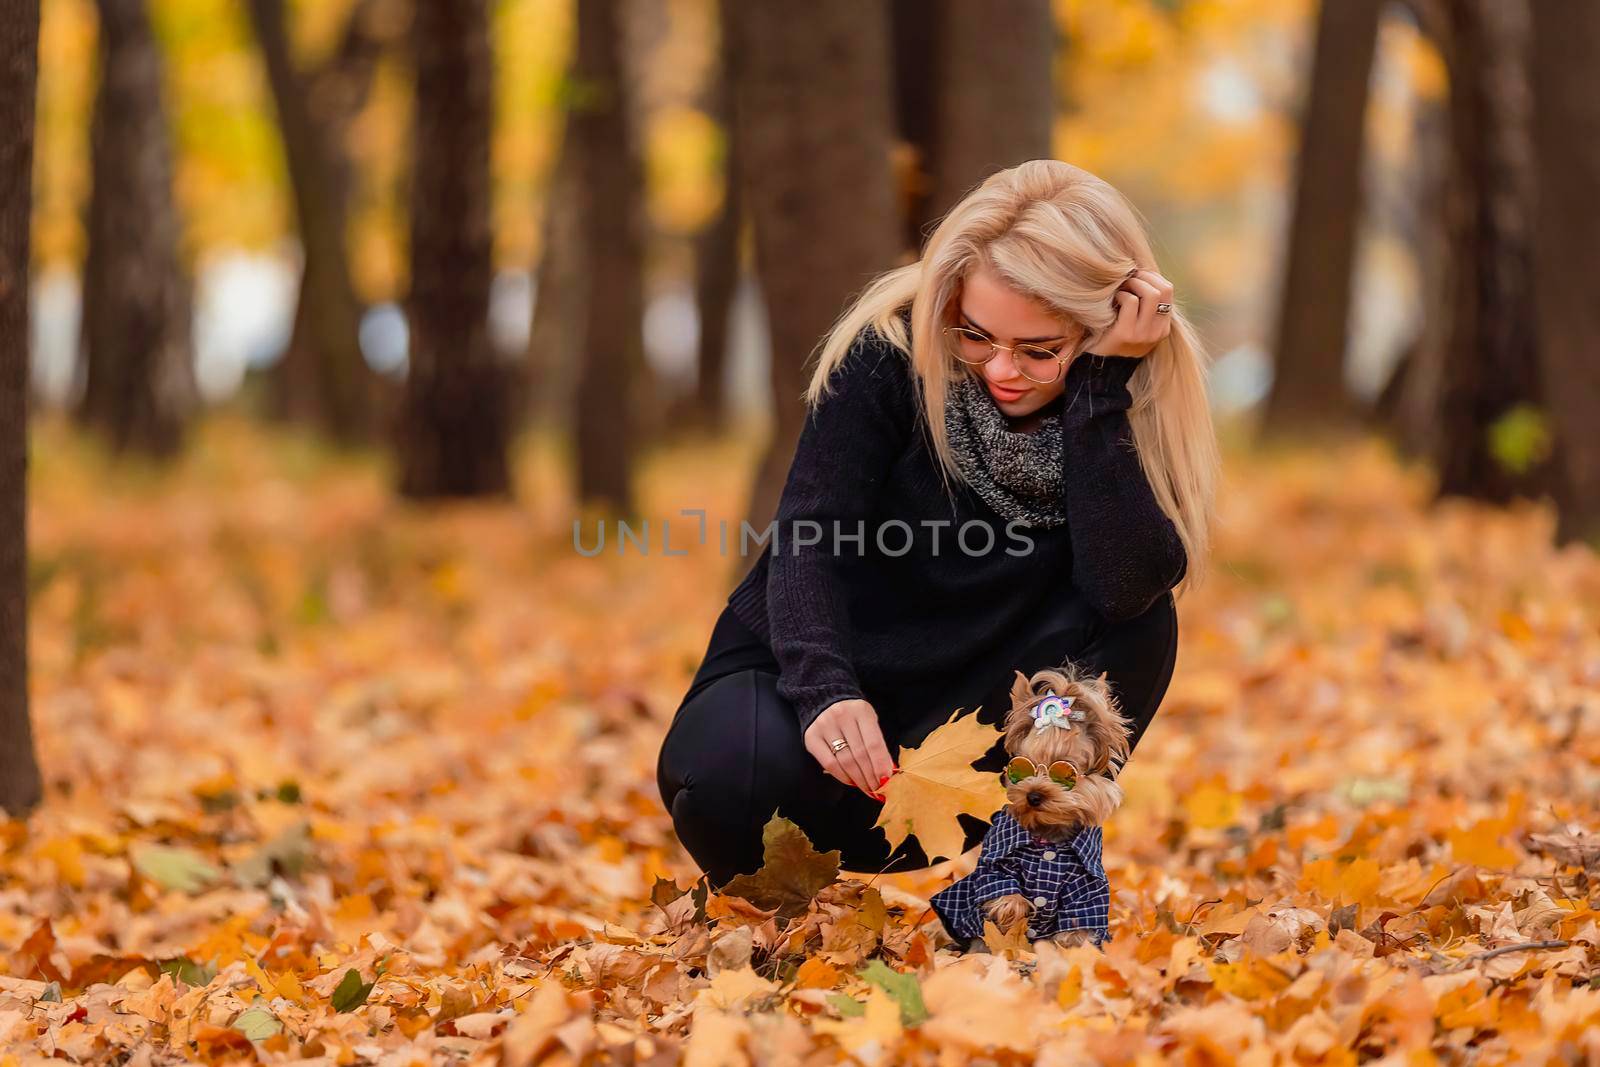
column 20, row 786
column 137, row 299
column 455, row 421
column 717, row 247
column 676, row 92
column 561, row 293
column 1308, row 386
column 591, row 269
column 322, row 378
column 1484, row 396
column 814, row 163
column 995, row 92
column 614, row 381
column 974, row 92
column 1405, row 410
column 914, row 33
column 1566, row 124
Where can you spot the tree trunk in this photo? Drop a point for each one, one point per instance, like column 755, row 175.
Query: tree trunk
column 815, row 169
column 1308, row 387
column 716, row 252
column 1490, row 372
column 1407, row 409
column 322, row 379
column 20, row 787
column 136, row 295
column 560, row 296
column 1566, row 109
column 455, row 421
column 995, row 92
column 613, row 379
column 916, row 29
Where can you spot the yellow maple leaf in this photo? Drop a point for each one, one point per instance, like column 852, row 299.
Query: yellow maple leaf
column 1251, row 978
column 937, row 782
column 1465, row 1005
column 1212, row 807
column 1348, row 883
column 735, row 987
column 1480, row 844
column 1359, row 880
column 1222, row 921
column 1005, row 943
column 66, row 853
column 717, row 1038
column 817, row 974
column 1070, row 991
column 976, row 1003
column 876, row 1030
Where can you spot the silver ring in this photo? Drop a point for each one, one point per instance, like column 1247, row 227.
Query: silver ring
column 1163, row 309
column 838, row 743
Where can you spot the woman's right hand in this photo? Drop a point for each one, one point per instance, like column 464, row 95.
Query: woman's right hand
column 866, row 763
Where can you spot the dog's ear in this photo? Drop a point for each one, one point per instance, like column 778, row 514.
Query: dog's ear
column 1021, row 689
column 1097, row 798
column 1108, row 731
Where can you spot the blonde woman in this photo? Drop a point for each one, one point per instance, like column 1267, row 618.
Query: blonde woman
column 1008, row 462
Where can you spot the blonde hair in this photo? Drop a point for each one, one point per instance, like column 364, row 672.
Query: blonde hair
column 1067, row 239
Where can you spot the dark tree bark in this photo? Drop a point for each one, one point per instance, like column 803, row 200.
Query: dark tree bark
column 455, row 421
column 915, row 33
column 20, row 786
column 613, row 379
column 995, row 92
column 1406, row 410
column 1490, row 364
column 322, row 379
column 560, row 296
column 1566, row 108
column 716, row 252
column 136, row 295
column 1308, row 387
column 815, row 169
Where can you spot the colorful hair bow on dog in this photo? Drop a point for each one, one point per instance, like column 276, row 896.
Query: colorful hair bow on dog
column 1056, row 711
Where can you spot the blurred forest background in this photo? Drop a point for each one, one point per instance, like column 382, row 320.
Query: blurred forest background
column 266, row 169
column 323, row 235
column 277, row 278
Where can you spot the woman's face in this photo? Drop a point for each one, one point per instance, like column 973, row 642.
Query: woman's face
column 1001, row 313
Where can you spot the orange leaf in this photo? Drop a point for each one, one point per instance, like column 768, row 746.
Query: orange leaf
column 1480, row 844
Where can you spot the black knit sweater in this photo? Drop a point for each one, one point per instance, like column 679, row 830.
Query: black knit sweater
column 909, row 597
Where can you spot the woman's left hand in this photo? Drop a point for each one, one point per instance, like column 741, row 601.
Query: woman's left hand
column 1139, row 326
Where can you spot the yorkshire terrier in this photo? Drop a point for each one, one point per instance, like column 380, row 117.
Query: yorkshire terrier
column 1040, row 860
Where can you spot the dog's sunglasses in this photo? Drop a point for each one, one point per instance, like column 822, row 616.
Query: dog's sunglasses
column 1061, row 772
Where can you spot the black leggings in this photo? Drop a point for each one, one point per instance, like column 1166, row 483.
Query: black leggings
column 734, row 752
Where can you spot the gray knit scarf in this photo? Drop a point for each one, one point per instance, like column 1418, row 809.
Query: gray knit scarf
column 1019, row 475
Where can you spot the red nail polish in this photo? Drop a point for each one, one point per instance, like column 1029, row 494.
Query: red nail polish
column 885, row 778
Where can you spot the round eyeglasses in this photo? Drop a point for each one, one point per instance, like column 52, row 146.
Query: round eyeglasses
column 1036, row 363
column 1061, row 772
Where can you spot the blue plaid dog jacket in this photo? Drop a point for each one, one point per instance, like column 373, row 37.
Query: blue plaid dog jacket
column 1065, row 882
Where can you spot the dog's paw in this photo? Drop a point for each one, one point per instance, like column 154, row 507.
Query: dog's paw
column 1008, row 910
column 1072, row 938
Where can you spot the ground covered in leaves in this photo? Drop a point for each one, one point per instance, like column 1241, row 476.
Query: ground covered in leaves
column 335, row 778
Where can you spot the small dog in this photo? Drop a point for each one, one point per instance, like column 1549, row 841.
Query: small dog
column 1040, row 860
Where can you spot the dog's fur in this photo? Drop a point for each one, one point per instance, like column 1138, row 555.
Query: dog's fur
column 1039, row 803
